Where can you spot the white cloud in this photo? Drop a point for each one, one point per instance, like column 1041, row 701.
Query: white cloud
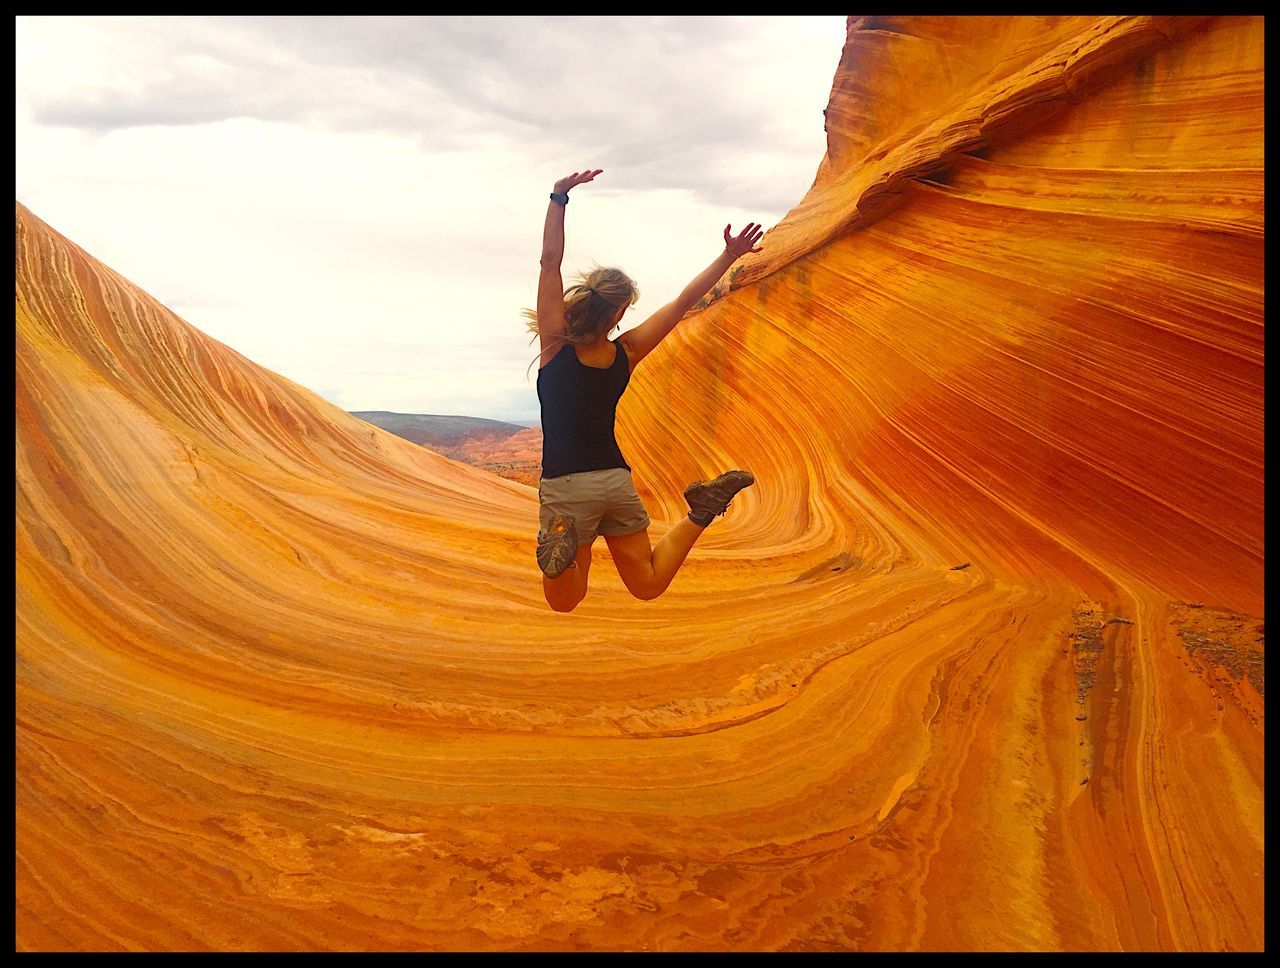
column 358, row 203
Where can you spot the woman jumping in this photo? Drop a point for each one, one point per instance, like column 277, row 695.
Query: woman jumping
column 586, row 487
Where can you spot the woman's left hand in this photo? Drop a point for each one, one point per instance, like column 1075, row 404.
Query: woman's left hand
column 745, row 241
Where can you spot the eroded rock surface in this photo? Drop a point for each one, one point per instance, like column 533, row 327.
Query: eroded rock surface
column 285, row 681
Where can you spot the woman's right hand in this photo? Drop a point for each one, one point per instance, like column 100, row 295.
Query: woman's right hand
column 745, row 241
column 577, row 178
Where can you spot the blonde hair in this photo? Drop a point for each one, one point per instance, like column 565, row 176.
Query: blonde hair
column 590, row 307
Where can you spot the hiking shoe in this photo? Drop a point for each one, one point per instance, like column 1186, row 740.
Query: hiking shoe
column 557, row 546
column 709, row 498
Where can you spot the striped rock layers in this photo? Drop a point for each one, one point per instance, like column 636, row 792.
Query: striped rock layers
column 976, row 664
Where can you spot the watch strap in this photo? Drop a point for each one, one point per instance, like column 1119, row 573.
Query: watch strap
column 561, row 197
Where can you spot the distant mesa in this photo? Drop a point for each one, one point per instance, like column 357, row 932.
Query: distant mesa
column 509, row 450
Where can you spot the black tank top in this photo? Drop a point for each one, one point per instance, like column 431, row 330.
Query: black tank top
column 579, row 403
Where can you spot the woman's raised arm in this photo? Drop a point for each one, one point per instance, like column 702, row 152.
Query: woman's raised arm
column 639, row 342
column 550, row 282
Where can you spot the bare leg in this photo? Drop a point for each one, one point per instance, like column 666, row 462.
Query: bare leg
column 648, row 571
column 565, row 592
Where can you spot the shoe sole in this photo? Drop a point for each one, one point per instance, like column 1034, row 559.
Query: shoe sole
column 558, row 552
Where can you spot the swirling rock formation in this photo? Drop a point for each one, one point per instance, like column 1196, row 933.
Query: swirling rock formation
column 977, row 663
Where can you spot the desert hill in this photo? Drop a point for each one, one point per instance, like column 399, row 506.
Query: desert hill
column 441, row 430
column 509, row 450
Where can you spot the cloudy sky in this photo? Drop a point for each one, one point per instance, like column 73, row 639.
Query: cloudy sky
column 357, row 203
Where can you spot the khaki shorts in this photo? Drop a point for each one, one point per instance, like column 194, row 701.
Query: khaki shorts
column 601, row 502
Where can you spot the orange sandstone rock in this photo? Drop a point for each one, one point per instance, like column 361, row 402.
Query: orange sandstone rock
column 285, row 681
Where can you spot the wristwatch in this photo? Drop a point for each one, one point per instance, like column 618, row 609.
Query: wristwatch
column 561, row 197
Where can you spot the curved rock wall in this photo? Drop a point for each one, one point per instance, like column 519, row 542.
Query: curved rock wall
column 977, row 663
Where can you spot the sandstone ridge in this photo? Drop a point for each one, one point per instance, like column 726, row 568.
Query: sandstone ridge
column 976, row 665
